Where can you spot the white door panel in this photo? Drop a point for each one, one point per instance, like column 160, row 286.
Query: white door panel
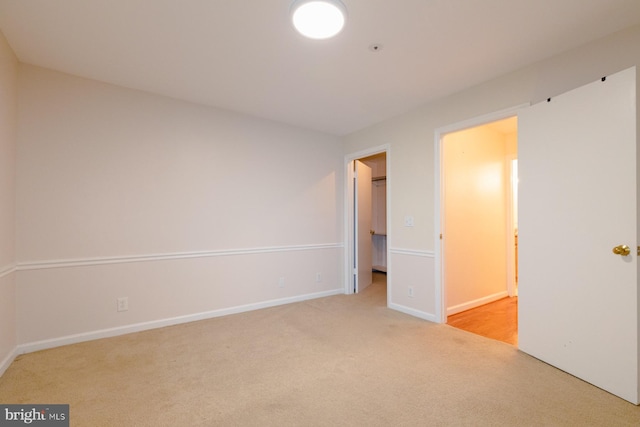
column 364, row 260
column 578, row 302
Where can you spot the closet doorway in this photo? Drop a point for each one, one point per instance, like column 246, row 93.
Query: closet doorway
column 479, row 229
column 367, row 222
column 378, row 165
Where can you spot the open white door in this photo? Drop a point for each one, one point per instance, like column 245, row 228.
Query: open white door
column 363, row 215
column 578, row 304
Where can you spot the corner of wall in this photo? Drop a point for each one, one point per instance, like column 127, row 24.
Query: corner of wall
column 8, row 318
column 8, row 138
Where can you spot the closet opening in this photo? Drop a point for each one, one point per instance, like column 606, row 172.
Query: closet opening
column 367, row 224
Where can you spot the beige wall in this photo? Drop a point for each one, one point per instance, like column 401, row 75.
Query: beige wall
column 475, row 184
column 8, row 119
column 186, row 210
column 411, row 137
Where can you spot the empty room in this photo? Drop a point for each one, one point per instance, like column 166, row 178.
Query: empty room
column 181, row 239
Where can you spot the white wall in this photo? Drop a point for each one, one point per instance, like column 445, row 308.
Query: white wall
column 411, row 137
column 8, row 119
column 186, row 210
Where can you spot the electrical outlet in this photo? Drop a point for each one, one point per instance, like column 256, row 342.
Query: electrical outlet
column 318, row 277
column 123, row 304
column 408, row 221
column 281, row 282
column 410, row 292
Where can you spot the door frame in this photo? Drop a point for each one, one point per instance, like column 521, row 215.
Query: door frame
column 349, row 215
column 440, row 291
column 512, row 270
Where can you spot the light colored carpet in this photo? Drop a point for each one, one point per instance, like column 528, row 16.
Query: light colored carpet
column 337, row 361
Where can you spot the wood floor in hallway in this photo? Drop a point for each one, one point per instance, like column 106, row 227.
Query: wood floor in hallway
column 497, row 320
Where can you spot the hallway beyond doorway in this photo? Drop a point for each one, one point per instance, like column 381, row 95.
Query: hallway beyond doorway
column 497, row 320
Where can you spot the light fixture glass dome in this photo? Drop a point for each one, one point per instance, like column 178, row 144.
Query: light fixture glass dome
column 318, row 19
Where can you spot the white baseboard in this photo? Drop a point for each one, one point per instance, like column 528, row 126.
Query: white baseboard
column 413, row 312
column 476, row 303
column 7, row 361
column 138, row 327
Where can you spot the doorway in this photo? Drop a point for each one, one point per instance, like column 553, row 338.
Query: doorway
column 366, row 220
column 479, row 229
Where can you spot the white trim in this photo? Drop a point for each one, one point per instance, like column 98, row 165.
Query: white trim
column 4, row 365
column 368, row 152
column 440, row 301
column 476, row 303
column 82, row 262
column 440, row 295
column 7, row 270
column 349, row 215
column 481, row 120
column 138, row 327
column 413, row 252
column 413, row 312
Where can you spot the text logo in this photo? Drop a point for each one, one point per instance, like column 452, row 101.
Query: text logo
column 34, row 415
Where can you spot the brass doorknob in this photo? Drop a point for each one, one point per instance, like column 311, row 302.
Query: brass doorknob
column 372, row 232
column 622, row 250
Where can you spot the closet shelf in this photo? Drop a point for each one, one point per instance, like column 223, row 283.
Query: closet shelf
column 379, row 178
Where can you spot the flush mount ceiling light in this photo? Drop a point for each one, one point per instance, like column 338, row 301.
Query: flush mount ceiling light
column 318, row 19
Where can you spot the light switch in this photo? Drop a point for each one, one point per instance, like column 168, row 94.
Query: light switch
column 408, row 221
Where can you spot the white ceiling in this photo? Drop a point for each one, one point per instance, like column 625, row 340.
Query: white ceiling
column 243, row 55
